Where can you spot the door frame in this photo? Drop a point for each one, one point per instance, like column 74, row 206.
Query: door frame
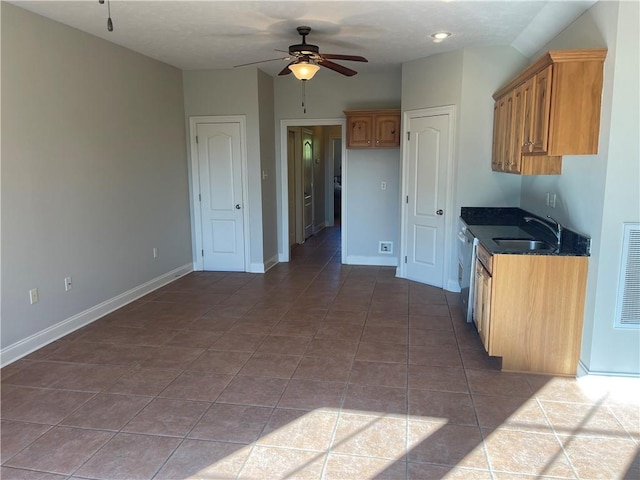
column 283, row 211
column 450, row 217
column 330, row 173
column 303, row 172
column 196, row 218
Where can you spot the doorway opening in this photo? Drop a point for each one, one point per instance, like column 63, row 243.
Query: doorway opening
column 312, row 180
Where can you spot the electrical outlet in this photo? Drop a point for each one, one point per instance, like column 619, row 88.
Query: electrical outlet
column 383, row 185
column 385, row 247
column 33, row 296
column 68, row 284
column 155, row 252
column 552, row 200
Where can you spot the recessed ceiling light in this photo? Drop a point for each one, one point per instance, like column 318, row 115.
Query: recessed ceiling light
column 440, row 36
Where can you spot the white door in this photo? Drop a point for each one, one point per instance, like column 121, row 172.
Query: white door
column 426, row 180
column 307, row 159
column 221, row 204
column 292, row 142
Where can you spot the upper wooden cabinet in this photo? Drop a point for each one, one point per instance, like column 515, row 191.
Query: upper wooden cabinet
column 551, row 109
column 373, row 128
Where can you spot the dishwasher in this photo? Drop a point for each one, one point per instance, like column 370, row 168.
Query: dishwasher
column 466, row 261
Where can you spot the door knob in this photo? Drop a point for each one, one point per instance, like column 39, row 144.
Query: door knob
column 237, row 206
column 440, row 212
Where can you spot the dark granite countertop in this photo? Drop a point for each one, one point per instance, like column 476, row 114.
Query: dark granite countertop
column 488, row 223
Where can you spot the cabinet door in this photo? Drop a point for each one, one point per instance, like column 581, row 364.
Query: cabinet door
column 486, row 309
column 512, row 164
column 541, row 111
column 482, row 303
column 502, row 133
column 498, row 134
column 359, row 131
column 387, row 131
column 528, row 102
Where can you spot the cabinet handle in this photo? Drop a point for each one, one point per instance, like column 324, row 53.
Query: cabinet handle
column 529, row 146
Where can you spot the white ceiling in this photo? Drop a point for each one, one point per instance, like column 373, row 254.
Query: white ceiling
column 220, row 34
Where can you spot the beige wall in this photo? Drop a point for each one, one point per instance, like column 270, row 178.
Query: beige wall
column 268, row 165
column 226, row 93
column 94, row 175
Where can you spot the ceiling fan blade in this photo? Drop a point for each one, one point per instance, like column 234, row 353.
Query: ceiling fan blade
column 285, row 70
column 352, row 58
column 261, row 61
column 337, row 68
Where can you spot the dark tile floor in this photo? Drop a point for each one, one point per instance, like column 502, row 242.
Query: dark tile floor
column 313, row 370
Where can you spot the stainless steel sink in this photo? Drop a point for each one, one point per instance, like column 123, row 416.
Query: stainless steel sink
column 524, row 244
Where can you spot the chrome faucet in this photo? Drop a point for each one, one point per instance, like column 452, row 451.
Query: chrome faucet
column 557, row 231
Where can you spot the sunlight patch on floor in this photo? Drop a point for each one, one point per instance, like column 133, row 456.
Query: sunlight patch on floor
column 297, row 444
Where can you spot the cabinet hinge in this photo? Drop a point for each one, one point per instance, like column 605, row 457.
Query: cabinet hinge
column 203, row 252
column 407, row 199
column 196, row 138
column 405, row 259
column 408, row 136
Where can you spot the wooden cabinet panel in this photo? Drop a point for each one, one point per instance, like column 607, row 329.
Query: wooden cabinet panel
column 496, row 148
column 373, row 128
column 482, row 304
column 574, row 120
column 551, row 109
column 501, row 138
column 387, row 130
column 539, row 133
column 359, row 131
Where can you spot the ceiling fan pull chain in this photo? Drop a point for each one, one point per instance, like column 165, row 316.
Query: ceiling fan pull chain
column 304, row 107
column 109, row 21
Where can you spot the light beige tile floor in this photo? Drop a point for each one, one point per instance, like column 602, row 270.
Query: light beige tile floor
column 313, row 370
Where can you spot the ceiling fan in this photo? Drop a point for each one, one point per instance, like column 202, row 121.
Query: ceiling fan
column 306, row 59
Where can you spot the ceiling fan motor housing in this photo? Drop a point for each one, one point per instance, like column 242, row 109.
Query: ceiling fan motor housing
column 303, row 48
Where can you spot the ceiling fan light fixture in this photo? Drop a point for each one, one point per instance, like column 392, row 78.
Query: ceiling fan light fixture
column 440, row 36
column 304, row 70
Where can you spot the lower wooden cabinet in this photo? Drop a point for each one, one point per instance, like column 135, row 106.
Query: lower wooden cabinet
column 529, row 310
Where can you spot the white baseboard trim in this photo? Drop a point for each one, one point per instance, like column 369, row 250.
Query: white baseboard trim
column 38, row 340
column 373, row 261
column 264, row 267
column 256, row 267
column 584, row 371
column 270, row 263
column 453, row 286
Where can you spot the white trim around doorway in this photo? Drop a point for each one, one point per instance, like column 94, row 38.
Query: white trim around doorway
column 283, row 211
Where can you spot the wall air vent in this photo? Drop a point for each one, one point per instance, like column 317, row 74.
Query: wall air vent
column 628, row 304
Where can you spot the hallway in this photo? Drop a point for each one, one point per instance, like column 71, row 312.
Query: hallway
column 313, row 370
